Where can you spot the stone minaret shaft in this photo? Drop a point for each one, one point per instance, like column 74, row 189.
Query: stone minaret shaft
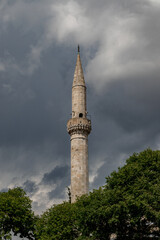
column 79, row 127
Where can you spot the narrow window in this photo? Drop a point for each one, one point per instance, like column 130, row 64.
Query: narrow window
column 81, row 115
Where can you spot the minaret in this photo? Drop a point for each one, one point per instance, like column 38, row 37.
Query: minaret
column 79, row 127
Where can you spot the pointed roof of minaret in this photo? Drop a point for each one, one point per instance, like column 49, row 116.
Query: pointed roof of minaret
column 78, row 74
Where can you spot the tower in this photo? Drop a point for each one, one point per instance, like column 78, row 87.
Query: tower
column 79, row 128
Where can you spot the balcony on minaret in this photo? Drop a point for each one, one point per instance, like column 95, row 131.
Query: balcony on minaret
column 79, row 125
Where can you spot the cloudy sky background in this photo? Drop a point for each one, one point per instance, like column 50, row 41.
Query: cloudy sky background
column 120, row 53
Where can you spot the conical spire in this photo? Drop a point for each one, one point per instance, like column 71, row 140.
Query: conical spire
column 78, row 74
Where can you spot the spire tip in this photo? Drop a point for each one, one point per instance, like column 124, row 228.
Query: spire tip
column 78, row 48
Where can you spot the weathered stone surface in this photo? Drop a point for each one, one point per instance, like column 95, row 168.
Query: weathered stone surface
column 79, row 127
column 79, row 165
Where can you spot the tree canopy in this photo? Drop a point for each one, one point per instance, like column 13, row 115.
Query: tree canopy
column 16, row 214
column 128, row 206
column 136, row 190
column 57, row 223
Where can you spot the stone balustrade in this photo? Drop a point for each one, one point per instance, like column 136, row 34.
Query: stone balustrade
column 79, row 125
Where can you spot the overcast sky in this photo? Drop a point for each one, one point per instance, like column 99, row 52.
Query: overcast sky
column 120, row 54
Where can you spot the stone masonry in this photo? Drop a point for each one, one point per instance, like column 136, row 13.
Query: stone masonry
column 79, row 127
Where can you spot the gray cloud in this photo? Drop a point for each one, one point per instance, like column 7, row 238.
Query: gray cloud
column 4, row 190
column 120, row 55
column 60, row 191
column 30, row 187
column 58, row 173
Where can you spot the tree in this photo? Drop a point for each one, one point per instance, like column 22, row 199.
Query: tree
column 134, row 195
column 16, row 214
column 92, row 220
column 57, row 223
column 127, row 206
column 129, row 203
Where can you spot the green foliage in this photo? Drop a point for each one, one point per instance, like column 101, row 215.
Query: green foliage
column 57, row 223
column 134, row 196
column 16, row 214
column 128, row 206
column 129, row 203
column 92, row 221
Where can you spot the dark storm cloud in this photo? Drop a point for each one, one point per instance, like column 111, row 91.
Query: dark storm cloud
column 120, row 51
column 32, row 122
column 129, row 115
column 30, row 187
column 60, row 190
column 58, row 173
column 60, row 177
column 134, row 104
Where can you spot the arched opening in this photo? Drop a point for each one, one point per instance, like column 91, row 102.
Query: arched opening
column 80, row 115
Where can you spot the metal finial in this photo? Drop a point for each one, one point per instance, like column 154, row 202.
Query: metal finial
column 78, row 48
